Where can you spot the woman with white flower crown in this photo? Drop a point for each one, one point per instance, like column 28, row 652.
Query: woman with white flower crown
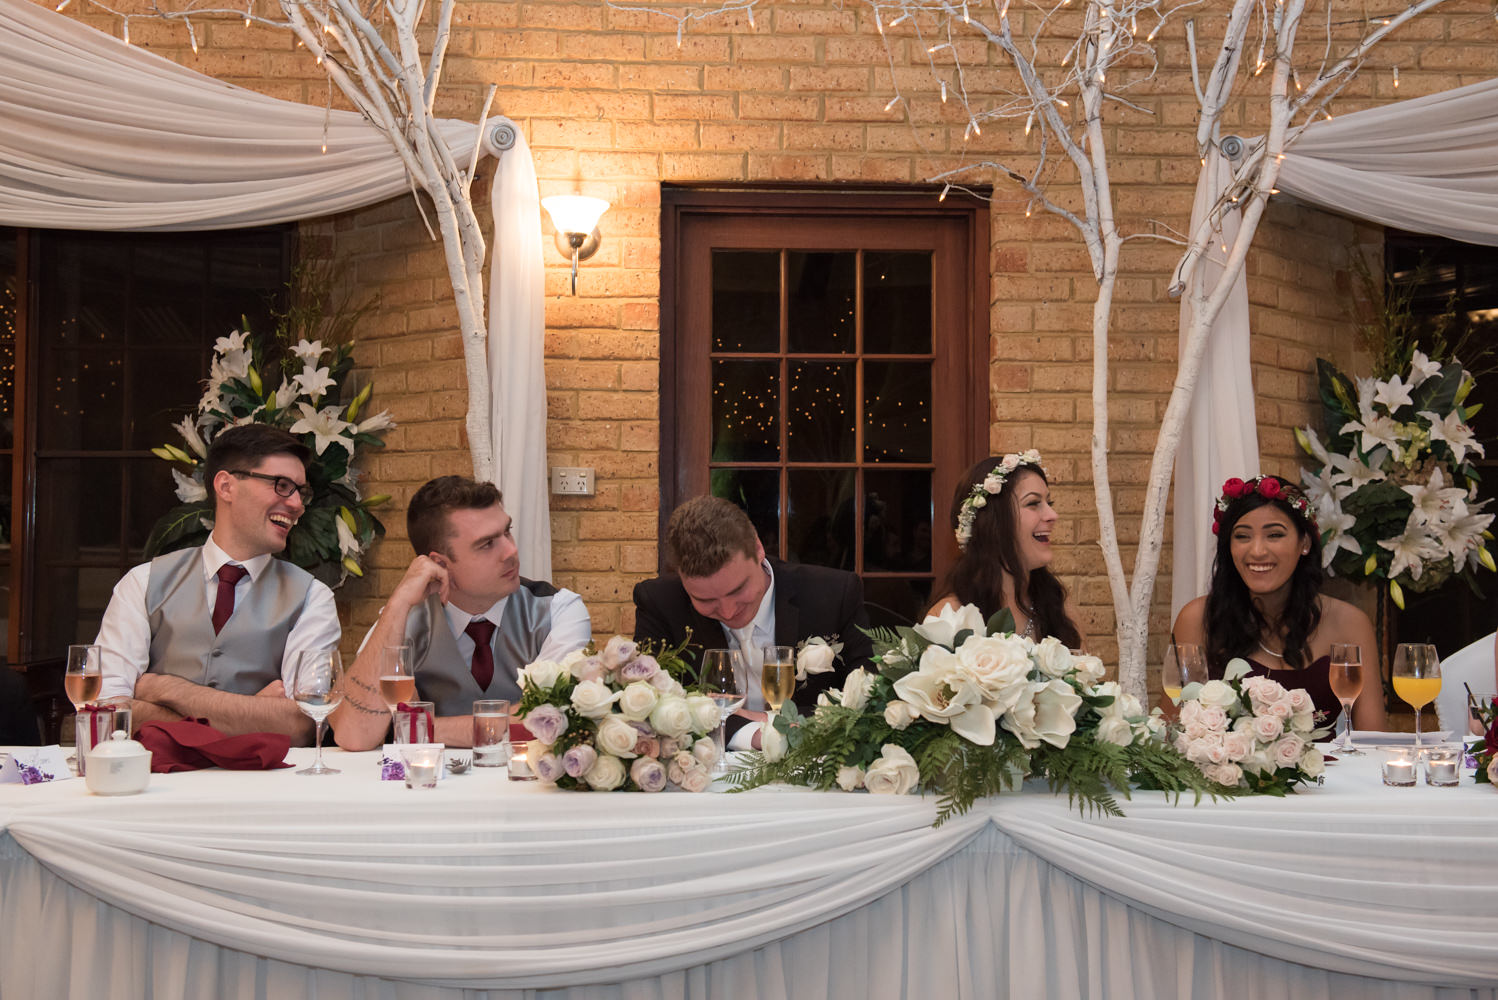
column 1265, row 604
column 1004, row 521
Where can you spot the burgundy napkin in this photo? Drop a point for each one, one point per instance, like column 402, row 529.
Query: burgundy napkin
column 190, row 744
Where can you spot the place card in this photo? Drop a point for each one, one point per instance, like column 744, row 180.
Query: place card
column 392, row 768
column 35, row 765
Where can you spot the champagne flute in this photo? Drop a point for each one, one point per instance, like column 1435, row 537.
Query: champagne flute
column 318, row 689
column 722, row 680
column 777, row 678
column 1184, row 664
column 1346, row 675
column 397, row 682
column 1417, row 677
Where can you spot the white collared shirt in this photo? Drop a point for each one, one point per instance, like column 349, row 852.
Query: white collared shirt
column 763, row 634
column 571, row 625
column 124, row 638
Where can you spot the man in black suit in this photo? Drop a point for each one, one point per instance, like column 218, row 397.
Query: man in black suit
column 732, row 597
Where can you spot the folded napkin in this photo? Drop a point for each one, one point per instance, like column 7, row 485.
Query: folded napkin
column 190, row 744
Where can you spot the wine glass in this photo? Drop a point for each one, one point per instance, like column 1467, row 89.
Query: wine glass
column 318, row 689
column 1417, row 677
column 1346, row 675
column 83, row 680
column 777, row 678
column 722, row 680
column 397, row 682
column 1184, row 664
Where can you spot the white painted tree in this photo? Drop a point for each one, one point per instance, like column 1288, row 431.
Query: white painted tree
column 1106, row 49
column 389, row 64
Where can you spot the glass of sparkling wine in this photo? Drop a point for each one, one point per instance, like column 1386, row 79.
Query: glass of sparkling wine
column 723, row 682
column 1417, row 677
column 1346, row 675
column 397, row 683
column 777, row 678
column 83, row 679
column 318, row 689
column 1184, row 664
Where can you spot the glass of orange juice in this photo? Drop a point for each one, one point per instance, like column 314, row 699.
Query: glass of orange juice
column 1417, row 677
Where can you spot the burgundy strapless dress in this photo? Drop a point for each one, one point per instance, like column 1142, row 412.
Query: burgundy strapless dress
column 1315, row 679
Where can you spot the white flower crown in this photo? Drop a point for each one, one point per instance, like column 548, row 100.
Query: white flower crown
column 990, row 485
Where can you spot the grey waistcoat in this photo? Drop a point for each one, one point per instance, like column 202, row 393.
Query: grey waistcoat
column 246, row 655
column 445, row 678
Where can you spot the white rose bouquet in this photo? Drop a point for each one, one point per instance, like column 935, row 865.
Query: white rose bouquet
column 965, row 709
column 1250, row 732
column 619, row 718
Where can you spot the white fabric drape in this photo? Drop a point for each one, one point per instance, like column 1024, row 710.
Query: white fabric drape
column 269, row 884
column 1426, row 165
column 96, row 134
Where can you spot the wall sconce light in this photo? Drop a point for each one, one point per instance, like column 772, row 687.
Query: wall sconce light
column 576, row 220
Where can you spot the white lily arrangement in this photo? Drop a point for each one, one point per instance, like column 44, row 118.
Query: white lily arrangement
column 966, row 709
column 1393, row 486
column 337, row 527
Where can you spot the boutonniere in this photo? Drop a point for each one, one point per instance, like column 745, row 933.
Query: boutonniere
column 816, row 655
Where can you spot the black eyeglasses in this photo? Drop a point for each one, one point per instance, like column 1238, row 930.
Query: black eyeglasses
column 284, row 487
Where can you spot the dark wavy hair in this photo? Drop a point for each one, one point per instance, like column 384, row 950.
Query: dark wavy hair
column 1234, row 622
column 978, row 575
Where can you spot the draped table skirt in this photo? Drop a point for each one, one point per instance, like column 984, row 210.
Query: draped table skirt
column 269, row 884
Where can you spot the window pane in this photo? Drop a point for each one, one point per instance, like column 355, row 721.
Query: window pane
column 166, row 306
column 897, row 407
column 897, row 521
column 76, row 599
column 746, row 404
column 152, row 413
column 152, row 493
column 80, row 399
column 821, row 289
column 758, row 492
column 820, row 525
column 821, row 415
column 906, row 598
column 746, row 301
column 897, row 303
column 78, row 509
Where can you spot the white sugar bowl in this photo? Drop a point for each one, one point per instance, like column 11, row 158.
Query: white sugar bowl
column 118, row 766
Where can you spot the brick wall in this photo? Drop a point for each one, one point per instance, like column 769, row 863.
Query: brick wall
column 613, row 106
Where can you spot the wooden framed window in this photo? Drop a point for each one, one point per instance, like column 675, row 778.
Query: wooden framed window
column 824, row 365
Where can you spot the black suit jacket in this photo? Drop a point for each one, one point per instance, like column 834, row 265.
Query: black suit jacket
column 809, row 600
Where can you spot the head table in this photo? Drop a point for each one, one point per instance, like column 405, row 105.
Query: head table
column 270, row 884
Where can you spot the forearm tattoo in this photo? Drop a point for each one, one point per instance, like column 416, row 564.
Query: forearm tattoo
column 348, row 696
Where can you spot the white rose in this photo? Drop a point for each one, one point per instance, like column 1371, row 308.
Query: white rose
column 899, row 714
column 814, row 658
column 705, row 713
column 637, row 700
column 999, row 666
column 572, row 659
column 1048, row 714
column 849, row 778
column 1312, row 763
column 695, row 779
column 942, row 628
column 1115, row 729
column 856, row 689
column 894, row 773
column 671, row 716
column 705, row 751
column 592, row 699
column 616, row 736
column 606, row 774
column 1089, row 668
column 1053, row 658
column 772, row 742
column 543, row 674
column 1218, row 694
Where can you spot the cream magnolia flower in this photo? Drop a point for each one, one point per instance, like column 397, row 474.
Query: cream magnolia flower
column 952, row 700
column 942, row 628
column 1048, row 714
column 325, row 425
column 894, row 773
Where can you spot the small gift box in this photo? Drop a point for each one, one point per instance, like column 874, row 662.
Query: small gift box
column 414, row 722
column 91, row 726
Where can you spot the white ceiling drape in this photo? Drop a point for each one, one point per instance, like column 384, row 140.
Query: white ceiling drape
column 1426, row 165
column 96, row 134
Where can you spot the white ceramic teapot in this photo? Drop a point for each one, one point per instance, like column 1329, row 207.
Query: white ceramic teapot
column 118, row 766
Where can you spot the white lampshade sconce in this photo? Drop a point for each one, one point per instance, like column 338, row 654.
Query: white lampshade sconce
column 576, row 218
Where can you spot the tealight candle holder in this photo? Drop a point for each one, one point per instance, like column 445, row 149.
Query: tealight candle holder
column 1443, row 765
column 1401, row 766
column 422, row 765
column 520, row 762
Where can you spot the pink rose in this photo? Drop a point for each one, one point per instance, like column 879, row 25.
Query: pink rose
column 669, row 747
column 1299, row 701
column 648, row 746
column 1287, row 751
column 590, row 669
column 1238, row 745
column 1281, row 709
column 1268, row 728
column 648, row 774
column 1213, row 718
column 618, row 652
column 695, row 779
column 579, row 760
column 1189, row 712
column 641, row 668
column 548, row 767
column 546, row 723
column 1224, row 774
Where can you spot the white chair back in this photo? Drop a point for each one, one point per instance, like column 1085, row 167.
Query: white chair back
column 1470, row 666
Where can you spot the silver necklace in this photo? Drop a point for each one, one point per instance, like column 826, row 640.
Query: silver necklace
column 1277, row 656
column 1029, row 632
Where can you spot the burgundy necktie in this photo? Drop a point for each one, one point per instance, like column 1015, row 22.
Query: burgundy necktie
column 481, row 630
column 228, row 575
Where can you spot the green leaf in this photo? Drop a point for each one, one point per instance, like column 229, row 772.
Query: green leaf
column 179, row 528
column 1002, row 621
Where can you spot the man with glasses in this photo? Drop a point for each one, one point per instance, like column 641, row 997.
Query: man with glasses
column 214, row 632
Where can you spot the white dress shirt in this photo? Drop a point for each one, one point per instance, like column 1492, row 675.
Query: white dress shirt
column 571, row 625
column 760, row 632
column 124, row 638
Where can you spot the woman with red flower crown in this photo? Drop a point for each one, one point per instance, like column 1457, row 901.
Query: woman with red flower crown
column 1265, row 602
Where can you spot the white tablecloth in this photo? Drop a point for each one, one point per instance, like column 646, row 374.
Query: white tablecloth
column 270, row 884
